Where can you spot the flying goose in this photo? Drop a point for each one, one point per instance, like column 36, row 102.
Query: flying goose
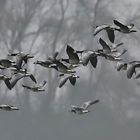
column 89, row 55
column 112, row 49
column 44, row 63
column 121, row 66
column 84, row 108
column 59, row 66
column 20, row 58
column 36, row 88
column 23, row 71
column 49, row 61
column 72, row 78
column 131, row 68
column 124, row 28
column 8, row 107
column 10, row 83
column 114, row 56
column 109, row 29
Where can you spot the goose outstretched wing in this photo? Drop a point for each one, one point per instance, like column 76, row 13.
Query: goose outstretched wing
column 106, row 48
column 100, row 28
column 85, row 105
column 72, row 80
column 122, row 26
column 73, row 56
column 63, row 81
column 93, row 60
column 111, row 35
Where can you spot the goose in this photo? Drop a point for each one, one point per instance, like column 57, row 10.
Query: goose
column 10, row 83
column 114, row 56
column 73, row 56
column 5, row 63
column 83, row 109
column 8, row 107
column 23, row 71
column 36, row 88
column 45, row 64
column 20, row 58
column 49, row 61
column 92, row 58
column 131, row 68
column 106, row 48
column 72, row 78
column 59, row 66
column 109, row 29
column 124, row 28
column 121, row 66
column 89, row 55
column 112, row 49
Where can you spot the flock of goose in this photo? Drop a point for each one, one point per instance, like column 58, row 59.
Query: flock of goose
column 66, row 66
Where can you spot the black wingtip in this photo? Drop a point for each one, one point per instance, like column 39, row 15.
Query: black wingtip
column 23, row 85
column 115, row 21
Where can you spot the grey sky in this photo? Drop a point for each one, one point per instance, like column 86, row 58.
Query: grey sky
column 41, row 27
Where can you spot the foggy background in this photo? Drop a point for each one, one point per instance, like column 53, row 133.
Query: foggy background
column 41, row 27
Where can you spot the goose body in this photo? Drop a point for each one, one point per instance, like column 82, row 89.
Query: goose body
column 130, row 68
